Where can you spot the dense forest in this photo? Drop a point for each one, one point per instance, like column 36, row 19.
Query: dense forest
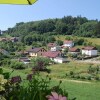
column 68, row 25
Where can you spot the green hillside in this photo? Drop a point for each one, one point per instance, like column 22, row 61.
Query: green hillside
column 68, row 25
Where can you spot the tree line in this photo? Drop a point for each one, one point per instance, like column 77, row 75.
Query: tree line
column 68, row 25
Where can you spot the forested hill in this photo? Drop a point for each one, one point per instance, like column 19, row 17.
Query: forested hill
column 68, row 25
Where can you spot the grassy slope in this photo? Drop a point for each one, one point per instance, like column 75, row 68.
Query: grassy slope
column 82, row 90
column 93, row 40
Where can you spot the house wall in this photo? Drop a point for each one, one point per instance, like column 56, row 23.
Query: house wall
column 74, row 52
column 89, row 52
column 32, row 54
column 93, row 52
column 39, row 53
column 57, row 48
column 69, row 45
column 60, row 60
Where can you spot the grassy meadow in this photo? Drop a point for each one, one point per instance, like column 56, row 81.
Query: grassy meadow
column 93, row 40
column 82, row 90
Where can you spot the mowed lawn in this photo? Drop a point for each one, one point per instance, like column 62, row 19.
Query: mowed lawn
column 82, row 90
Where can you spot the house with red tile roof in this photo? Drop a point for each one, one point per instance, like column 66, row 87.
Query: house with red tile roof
column 74, row 50
column 68, row 43
column 55, row 56
column 89, row 51
column 34, row 52
column 52, row 54
column 54, row 47
column 49, row 45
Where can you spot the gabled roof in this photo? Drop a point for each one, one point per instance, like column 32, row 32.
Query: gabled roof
column 51, row 44
column 51, row 54
column 24, row 59
column 64, row 47
column 68, row 41
column 35, row 50
column 74, row 49
column 89, row 48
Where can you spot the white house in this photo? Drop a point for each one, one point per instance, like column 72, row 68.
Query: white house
column 89, row 51
column 56, row 48
column 60, row 60
column 68, row 43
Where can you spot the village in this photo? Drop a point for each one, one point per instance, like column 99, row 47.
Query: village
column 60, row 54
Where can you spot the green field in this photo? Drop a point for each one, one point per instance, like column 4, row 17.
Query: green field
column 93, row 40
column 82, row 90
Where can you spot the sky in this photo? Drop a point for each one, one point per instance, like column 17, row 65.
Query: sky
column 45, row 9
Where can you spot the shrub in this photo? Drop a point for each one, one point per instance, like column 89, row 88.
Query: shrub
column 2, row 83
column 71, row 73
column 37, row 89
column 83, row 77
column 97, row 78
column 1, row 70
column 72, row 76
column 91, row 69
column 40, row 63
column 17, row 65
column 89, row 77
column 12, row 53
column 77, row 76
column 66, row 74
column 5, row 62
column 16, row 79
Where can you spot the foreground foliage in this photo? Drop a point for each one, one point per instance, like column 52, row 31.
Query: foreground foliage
column 35, row 86
column 81, row 89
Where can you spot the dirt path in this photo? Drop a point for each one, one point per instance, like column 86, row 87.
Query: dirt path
column 77, row 81
column 89, row 61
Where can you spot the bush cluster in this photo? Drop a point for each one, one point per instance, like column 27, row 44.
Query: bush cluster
column 74, row 75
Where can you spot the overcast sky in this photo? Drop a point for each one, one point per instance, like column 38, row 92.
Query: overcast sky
column 44, row 9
